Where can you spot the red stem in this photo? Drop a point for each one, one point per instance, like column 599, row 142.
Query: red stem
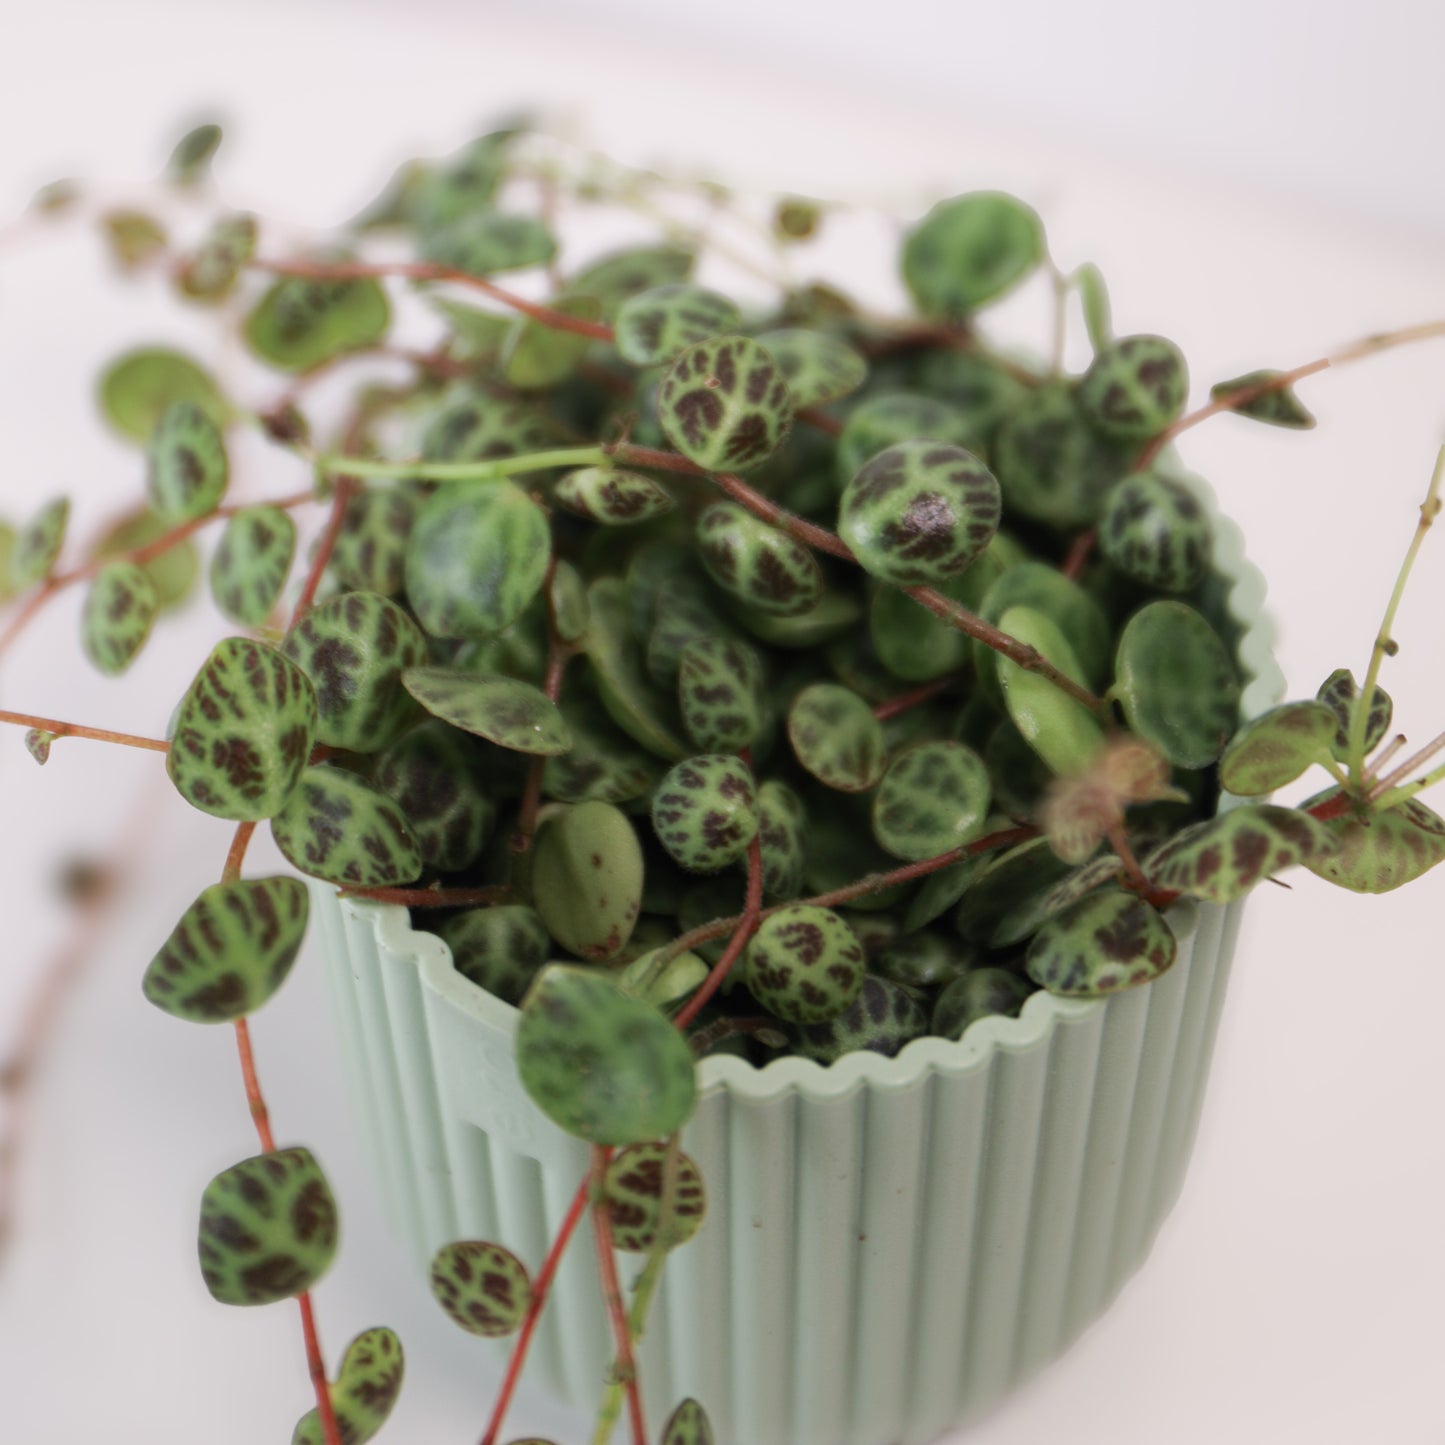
column 612, row 1295
column 906, row 701
column 747, row 921
column 1079, row 554
column 346, row 488
column 75, row 730
column 433, row 897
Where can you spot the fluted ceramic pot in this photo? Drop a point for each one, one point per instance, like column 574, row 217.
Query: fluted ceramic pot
column 891, row 1244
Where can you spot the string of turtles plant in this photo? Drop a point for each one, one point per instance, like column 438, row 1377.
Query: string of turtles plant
column 931, row 709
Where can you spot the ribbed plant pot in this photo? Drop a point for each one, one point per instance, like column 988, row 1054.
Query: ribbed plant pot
column 891, row 1245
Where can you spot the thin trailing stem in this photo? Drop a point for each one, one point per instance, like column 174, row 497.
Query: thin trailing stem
column 78, row 730
column 746, row 923
column 346, row 488
column 433, row 897
column 626, row 1364
column 240, row 841
column 1133, row 873
column 484, row 471
column 907, row 701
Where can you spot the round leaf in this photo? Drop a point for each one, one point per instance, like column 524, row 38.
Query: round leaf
column 980, row 994
column 882, row 421
column 1135, row 387
column 139, row 387
column 430, row 775
column 370, row 550
column 187, row 465
column 500, row 948
column 483, row 1287
column 882, row 1018
column 1059, row 728
column 836, row 737
column 338, row 828
column 817, row 367
column 600, row 1064
column 173, row 573
column 251, row 563
column 653, row 326
column 782, row 823
column 473, row 425
column 969, row 251
column 212, row 271
column 1378, row 852
column 724, row 404
column 503, row 710
column 37, row 547
column 486, row 243
column 603, row 761
column 756, row 563
column 364, row 1392
column 1073, row 611
column 300, row 323
column 587, row 879
column 1274, row 749
column 615, row 277
column 632, row 1189
column 538, row 355
column 720, row 692
column 119, row 610
column 934, row 797
column 804, row 964
column 1154, row 530
column 706, row 811
column 612, row 497
column 1105, row 942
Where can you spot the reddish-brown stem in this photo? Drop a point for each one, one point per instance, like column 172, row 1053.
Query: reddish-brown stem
column 1133, row 873
column 76, row 730
column 907, row 701
column 427, row 271
column 433, row 897
column 316, row 1368
column 255, row 1099
column 541, row 1285
column 237, row 856
column 811, row 416
column 346, row 488
column 1079, row 553
column 747, row 921
column 626, row 1365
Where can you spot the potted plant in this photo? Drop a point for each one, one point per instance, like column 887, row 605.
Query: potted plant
column 790, row 775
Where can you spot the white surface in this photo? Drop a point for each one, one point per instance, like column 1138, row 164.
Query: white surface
column 1294, row 1295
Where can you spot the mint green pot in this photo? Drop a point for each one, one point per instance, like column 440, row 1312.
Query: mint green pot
column 891, row 1245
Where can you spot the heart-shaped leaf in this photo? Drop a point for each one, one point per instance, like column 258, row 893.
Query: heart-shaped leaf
column 211, row 272
column 1105, row 942
column 504, row 710
column 1059, row 728
column 483, row 1288
column 1134, row 387
column 370, row 550
column 1177, row 683
column 1377, row 852
column 231, row 950
column 587, row 879
column 720, row 693
column 836, row 737
column 756, row 563
column 980, row 994
column 341, row 829
column 654, row 325
column 500, row 948
column 251, row 563
column 37, row 546
column 632, row 1189
column 430, row 774
column 804, row 964
column 475, row 561
column 613, row 497
column 357, row 649
column 1338, row 692
column 268, row 1228
column 882, row 1018
column 139, row 387
column 688, row 1425
column 37, row 744
column 187, row 465
column 970, row 250
column 1273, row 749
column 1222, row 858
column 537, row 355
column 600, row 1064
column 817, row 367
column 364, row 1392
column 119, row 610
column 705, row 811
column 486, row 243
column 300, row 323
column 1278, row 406
column 243, row 732
column 724, row 404
column 1155, row 531
column 934, row 796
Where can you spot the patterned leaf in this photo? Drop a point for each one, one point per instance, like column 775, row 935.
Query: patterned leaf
column 1134, row 387
column 756, row 563
column 1378, row 852
column 1278, row 407
column 613, row 497
column 187, row 465
column 934, row 796
column 190, row 161
column 120, row 608
column 1155, row 531
column 134, row 238
column 603, row 761
column 338, row 828
column 211, row 273
column 356, row 649
column 782, row 821
column 466, row 183
column 300, row 323
column 720, row 693
column 37, row 744
column 654, row 325
column 885, row 420
column 139, row 387
column 364, row 1392
column 268, row 1228
column 483, row 1288
column 243, row 732
column 979, row 389
column 430, row 775
column 940, row 891
column 504, row 710
column 804, row 964
column 836, row 737
column 1274, row 749
column 500, row 948
column 688, row 1425
column 615, row 277
column 172, row 574
column 1338, row 692
column 969, row 251
column 919, row 512
column 587, row 879
column 1222, row 858
column 475, row 561
column 251, row 563
column 600, row 1064
column 980, row 994
column 632, row 1189
column 231, row 950
column 486, row 243
column 1177, row 683
column 37, row 547
column 1103, row 943
column 370, row 550
column 724, row 404
column 689, row 608
column 882, row 1018
column 998, row 905
column 1059, row 728
column 705, row 811
column 923, row 960
column 817, row 367
column 474, row 425
column 538, row 354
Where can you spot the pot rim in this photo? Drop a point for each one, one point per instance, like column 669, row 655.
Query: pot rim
column 1042, row 1012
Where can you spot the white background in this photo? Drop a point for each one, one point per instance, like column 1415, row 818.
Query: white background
column 1260, row 181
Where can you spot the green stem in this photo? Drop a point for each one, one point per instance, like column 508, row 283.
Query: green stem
column 486, row 471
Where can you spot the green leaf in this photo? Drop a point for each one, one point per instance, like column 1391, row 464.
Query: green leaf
column 211, row 273
column 587, row 879
column 1059, row 728
column 817, row 367
column 356, row 649
column 1094, row 297
column 538, row 355
column 475, row 560
column 969, row 251
column 364, row 1392
column 1277, row 407
column 120, row 608
column 251, row 563
column 187, row 467
column 615, row 277
column 923, row 960
column 135, row 238
column 1073, row 611
column 190, row 161
column 654, row 325
column 1135, row 387
column 430, row 775
column 476, row 335
column 1154, row 530
column 483, row 1288
column 567, row 603
column 464, row 185
column 268, row 1228
column 300, row 323
column 138, row 388
column 882, row 1018
column 720, row 693
column 232, row 949
column 473, row 425
column 370, row 550
column 603, row 762
column 1177, row 683
column 983, row 993
column 920, row 512
column 600, row 1064
column 934, row 797
column 504, row 710
column 243, row 732
column 340, row 829
column 501, row 948
column 1377, row 852
column 37, row 744
column 172, row 573
column 486, row 243
column 1222, row 858
column 836, row 737
column 613, row 497
column 705, row 811
column 804, row 964
column 1273, row 749
column 882, row 421
column 37, row 547
column 724, row 404
column 1338, row 692
column 632, row 1191
column 998, row 906
column 688, row 1425
column 1105, row 942
column 758, row 564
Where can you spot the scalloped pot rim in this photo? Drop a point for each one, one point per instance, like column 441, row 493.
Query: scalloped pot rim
column 1042, row 1012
